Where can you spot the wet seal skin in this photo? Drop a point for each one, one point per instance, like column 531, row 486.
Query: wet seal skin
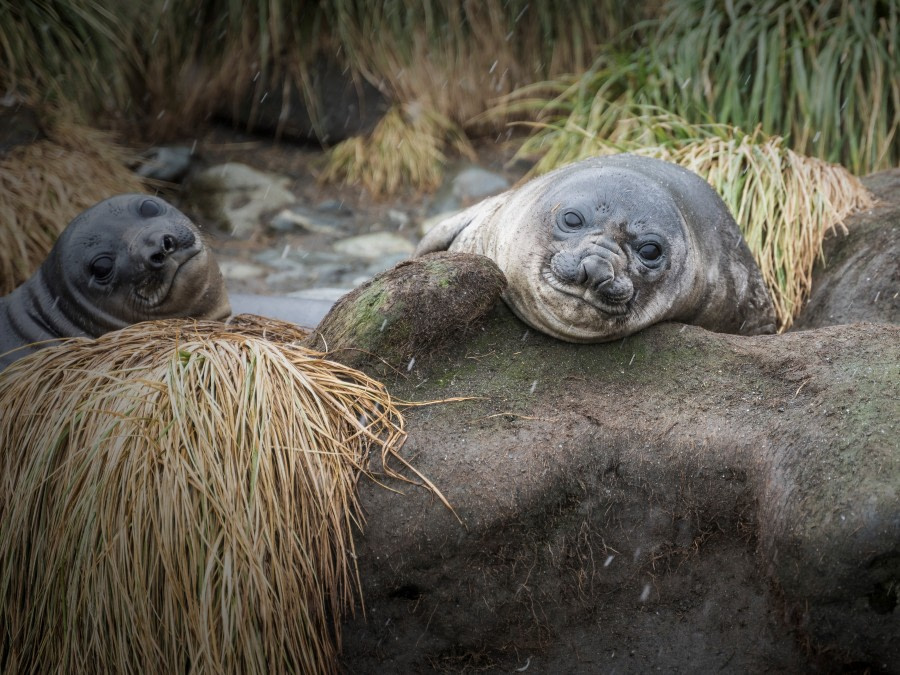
column 605, row 247
column 129, row 258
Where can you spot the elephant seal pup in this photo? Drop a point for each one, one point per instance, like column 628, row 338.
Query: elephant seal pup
column 127, row 259
column 602, row 248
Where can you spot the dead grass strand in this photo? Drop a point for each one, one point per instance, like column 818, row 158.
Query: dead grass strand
column 181, row 496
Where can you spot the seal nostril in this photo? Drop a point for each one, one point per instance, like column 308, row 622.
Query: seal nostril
column 158, row 258
column 168, row 243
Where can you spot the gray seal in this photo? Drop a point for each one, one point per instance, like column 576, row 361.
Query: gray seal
column 129, row 258
column 605, row 247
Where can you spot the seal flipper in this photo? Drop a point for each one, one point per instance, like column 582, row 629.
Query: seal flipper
column 442, row 235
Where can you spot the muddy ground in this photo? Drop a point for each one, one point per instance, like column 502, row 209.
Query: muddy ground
column 679, row 502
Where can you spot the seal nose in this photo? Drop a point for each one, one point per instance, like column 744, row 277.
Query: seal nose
column 158, row 246
column 595, row 272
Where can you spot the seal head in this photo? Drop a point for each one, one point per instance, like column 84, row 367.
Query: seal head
column 603, row 248
column 127, row 259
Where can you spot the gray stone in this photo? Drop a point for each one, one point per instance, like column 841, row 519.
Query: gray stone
column 235, row 176
column 335, row 206
column 468, row 185
column 429, row 223
column 236, row 196
column 375, row 245
column 474, row 184
column 298, row 217
column 166, row 163
column 240, row 271
column 399, row 218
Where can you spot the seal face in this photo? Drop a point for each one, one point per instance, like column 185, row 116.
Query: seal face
column 602, row 248
column 127, row 259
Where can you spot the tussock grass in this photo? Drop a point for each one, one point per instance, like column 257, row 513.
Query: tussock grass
column 784, row 202
column 200, row 57
column 822, row 75
column 45, row 184
column 179, row 496
column 77, row 50
column 445, row 64
column 406, row 149
column 457, row 57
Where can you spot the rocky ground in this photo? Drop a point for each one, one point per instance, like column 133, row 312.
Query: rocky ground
column 277, row 230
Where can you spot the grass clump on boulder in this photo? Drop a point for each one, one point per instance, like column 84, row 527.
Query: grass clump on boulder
column 180, row 496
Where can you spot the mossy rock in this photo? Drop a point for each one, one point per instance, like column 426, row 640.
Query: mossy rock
column 410, row 311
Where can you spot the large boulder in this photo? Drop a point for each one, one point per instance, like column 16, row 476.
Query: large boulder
column 335, row 105
column 858, row 278
column 678, row 500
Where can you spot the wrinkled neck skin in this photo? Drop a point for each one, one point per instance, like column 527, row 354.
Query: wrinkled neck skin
column 33, row 314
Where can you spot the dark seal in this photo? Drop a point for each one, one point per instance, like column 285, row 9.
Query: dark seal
column 127, row 259
column 603, row 248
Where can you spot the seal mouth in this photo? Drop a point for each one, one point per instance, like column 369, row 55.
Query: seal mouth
column 614, row 305
column 156, row 287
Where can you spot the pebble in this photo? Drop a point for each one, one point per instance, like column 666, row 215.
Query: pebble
column 374, row 245
column 467, row 186
column 474, row 184
column 298, row 217
column 346, row 261
column 429, row 223
column 240, row 271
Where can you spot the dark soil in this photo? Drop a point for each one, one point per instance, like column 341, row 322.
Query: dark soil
column 680, row 501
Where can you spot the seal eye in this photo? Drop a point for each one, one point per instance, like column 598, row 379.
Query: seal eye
column 650, row 251
column 149, row 208
column 571, row 220
column 102, row 268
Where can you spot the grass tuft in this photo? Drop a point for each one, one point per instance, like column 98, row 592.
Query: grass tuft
column 822, row 75
column 43, row 185
column 179, row 496
column 406, row 149
column 77, row 50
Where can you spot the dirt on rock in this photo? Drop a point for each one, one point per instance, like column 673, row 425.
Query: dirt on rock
column 680, row 501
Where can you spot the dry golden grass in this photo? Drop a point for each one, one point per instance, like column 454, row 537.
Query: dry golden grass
column 406, row 149
column 784, row 202
column 45, row 184
column 180, row 496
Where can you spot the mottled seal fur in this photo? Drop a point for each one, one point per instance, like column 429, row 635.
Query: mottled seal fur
column 127, row 259
column 602, row 248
